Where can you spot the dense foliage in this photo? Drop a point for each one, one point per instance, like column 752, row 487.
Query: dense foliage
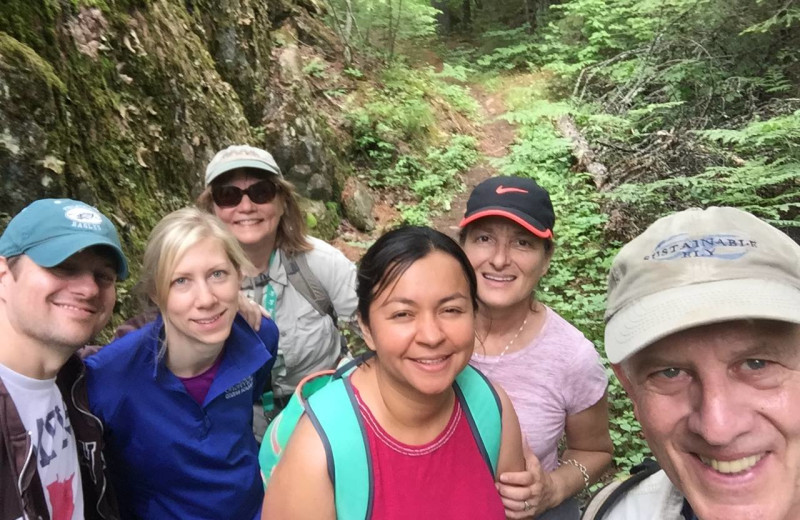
column 685, row 102
column 400, row 144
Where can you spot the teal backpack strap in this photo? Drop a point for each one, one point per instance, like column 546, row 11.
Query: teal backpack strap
column 483, row 411
column 280, row 429
column 334, row 413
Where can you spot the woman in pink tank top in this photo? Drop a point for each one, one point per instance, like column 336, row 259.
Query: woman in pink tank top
column 417, row 300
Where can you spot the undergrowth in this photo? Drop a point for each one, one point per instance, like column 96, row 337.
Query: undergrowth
column 398, row 138
column 576, row 282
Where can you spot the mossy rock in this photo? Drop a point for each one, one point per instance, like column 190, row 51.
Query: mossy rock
column 324, row 217
column 122, row 104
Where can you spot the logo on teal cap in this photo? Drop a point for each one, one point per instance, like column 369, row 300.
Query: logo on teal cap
column 84, row 216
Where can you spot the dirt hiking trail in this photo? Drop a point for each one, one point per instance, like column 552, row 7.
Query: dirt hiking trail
column 495, row 136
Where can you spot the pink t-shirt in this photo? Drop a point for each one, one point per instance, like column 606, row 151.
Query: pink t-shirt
column 558, row 374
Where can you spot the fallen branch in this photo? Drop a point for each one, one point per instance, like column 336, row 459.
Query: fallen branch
column 615, row 146
column 592, row 70
column 584, row 156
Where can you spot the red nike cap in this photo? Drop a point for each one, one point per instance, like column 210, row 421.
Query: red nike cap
column 516, row 198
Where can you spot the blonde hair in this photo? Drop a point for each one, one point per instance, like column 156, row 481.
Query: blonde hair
column 290, row 236
column 172, row 237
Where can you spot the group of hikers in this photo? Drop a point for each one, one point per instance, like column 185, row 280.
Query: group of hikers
column 473, row 398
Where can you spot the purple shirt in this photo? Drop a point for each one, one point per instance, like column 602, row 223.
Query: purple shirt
column 558, row 374
column 198, row 385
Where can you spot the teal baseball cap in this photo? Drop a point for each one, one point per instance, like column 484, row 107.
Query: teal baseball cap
column 49, row 231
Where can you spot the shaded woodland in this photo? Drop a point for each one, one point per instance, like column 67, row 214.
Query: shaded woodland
column 624, row 110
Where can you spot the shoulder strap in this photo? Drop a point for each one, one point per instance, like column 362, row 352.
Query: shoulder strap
column 605, row 499
column 334, row 413
column 483, row 411
column 307, row 284
column 280, row 429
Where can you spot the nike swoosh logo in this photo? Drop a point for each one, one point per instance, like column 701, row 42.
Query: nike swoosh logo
column 501, row 190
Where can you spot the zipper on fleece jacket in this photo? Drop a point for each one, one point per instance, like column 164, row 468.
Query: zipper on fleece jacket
column 28, row 459
column 102, row 433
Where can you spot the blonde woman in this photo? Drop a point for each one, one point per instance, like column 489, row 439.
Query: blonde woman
column 176, row 396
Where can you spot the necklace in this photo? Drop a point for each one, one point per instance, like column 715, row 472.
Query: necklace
column 524, row 322
column 503, row 353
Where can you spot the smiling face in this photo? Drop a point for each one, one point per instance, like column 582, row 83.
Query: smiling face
column 202, row 300
column 422, row 326
column 249, row 222
column 60, row 307
column 508, row 261
column 718, row 407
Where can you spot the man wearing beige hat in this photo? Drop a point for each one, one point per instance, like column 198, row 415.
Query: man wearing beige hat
column 703, row 331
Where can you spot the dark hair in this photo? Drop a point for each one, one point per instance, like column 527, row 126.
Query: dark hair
column 394, row 252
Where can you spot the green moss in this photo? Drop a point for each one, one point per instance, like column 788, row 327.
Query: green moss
column 17, row 55
column 135, row 124
column 324, row 216
column 31, row 22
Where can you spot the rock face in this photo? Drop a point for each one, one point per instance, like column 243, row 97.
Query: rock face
column 357, row 203
column 122, row 104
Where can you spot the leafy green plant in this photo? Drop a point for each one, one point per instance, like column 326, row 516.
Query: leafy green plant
column 353, row 73
column 335, row 92
column 435, row 178
column 764, row 181
column 402, row 116
column 315, row 68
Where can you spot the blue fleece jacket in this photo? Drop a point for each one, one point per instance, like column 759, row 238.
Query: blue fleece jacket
column 170, row 457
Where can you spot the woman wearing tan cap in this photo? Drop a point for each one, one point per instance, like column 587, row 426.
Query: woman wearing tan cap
column 246, row 190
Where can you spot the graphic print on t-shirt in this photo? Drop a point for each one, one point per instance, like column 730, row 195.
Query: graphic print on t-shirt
column 48, row 429
column 60, row 495
column 44, row 416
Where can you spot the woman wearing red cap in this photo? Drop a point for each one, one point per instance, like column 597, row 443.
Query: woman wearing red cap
column 551, row 372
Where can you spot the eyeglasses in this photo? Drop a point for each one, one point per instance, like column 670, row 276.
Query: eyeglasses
column 230, row 196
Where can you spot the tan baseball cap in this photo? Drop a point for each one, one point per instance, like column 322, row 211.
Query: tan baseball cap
column 241, row 156
column 698, row 267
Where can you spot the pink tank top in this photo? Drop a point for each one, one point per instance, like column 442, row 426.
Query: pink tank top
column 444, row 479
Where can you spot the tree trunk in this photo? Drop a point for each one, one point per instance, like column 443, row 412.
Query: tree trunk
column 443, row 19
column 584, row 156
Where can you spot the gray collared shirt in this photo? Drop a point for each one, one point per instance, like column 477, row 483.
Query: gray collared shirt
column 309, row 342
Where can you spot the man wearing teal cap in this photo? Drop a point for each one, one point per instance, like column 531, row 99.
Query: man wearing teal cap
column 59, row 262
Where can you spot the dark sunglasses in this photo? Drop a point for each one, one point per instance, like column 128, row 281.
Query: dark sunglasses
column 229, row 196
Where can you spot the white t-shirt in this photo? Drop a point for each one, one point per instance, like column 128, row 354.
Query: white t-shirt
column 44, row 415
